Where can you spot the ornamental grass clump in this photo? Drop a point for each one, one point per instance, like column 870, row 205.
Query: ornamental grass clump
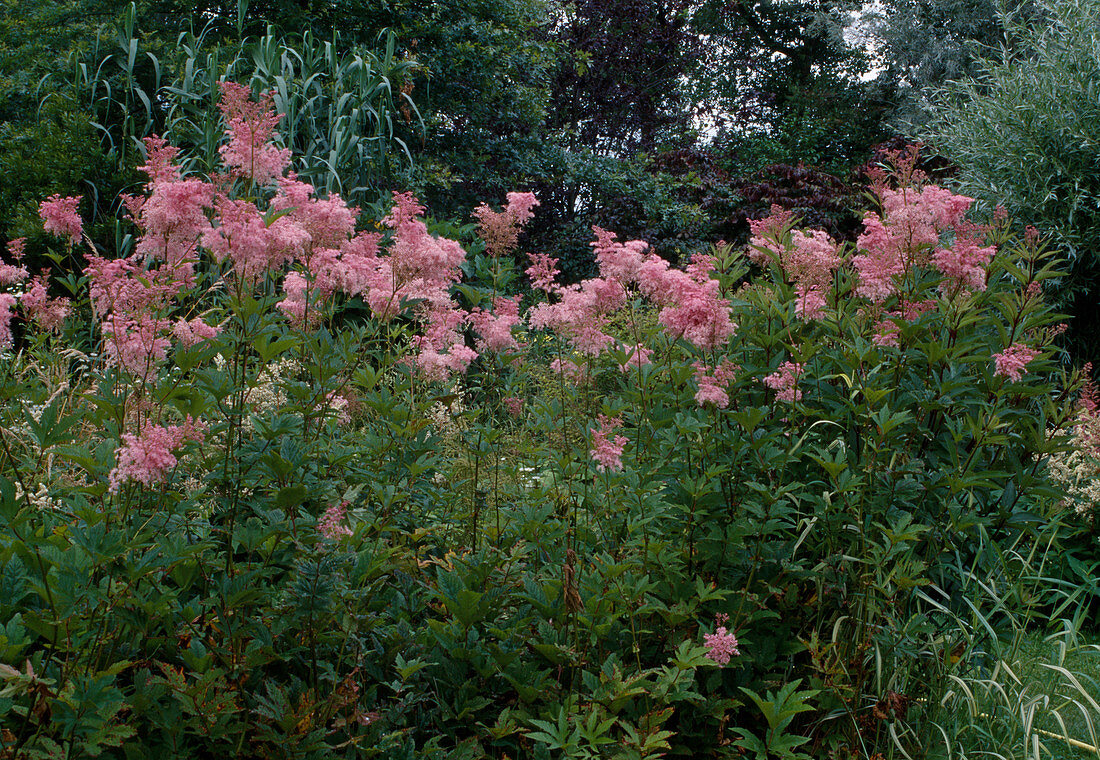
column 280, row 481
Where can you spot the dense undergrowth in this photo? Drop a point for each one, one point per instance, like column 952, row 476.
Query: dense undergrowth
column 282, row 481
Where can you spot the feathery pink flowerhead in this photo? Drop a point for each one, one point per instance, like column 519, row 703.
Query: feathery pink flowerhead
column 1011, row 362
column 693, row 306
column 494, row 329
column 441, row 350
column 172, row 218
column 498, row 229
column 124, row 286
column 569, row 370
column 415, row 253
column 881, row 262
column 160, row 160
column 607, row 450
column 768, row 233
column 514, row 405
column 251, row 125
column 699, row 316
column 580, row 313
column 331, row 525
column 136, row 345
column 712, row 383
column 622, row 261
column 148, row 457
column 16, row 248
column 543, row 271
column 886, row 333
column 808, row 258
column 810, row 304
column 254, row 246
column 299, row 308
column 12, row 275
column 812, row 260
column 521, row 206
column 48, row 313
column 721, row 645
column 329, row 221
column 784, row 382
column 438, row 366
column 964, row 263
column 60, row 216
column 192, row 332
column 7, row 304
column 908, row 230
column 358, row 263
column 337, row 405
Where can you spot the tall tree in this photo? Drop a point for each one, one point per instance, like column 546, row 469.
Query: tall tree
column 1024, row 131
column 781, row 83
column 620, row 90
column 924, row 44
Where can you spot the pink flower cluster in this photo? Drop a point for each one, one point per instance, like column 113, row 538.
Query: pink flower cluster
column 60, row 216
column 580, row 314
column 712, row 383
column 888, row 329
column 172, row 215
column 514, row 405
column 693, row 308
column 191, row 332
column 964, row 263
column 607, row 450
column 908, row 234
column 494, row 329
column 442, row 348
column 569, row 370
column 37, row 306
column 809, row 259
column 784, row 382
column 500, row 229
column 48, row 313
column 7, row 311
column 149, row 457
column 251, row 125
column 13, row 274
column 543, row 271
column 331, row 525
column 721, row 645
column 1011, row 362
column 10, row 274
column 637, row 356
column 245, row 238
column 132, row 295
column 136, row 345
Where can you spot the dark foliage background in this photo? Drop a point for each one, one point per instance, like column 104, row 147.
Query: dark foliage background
column 667, row 120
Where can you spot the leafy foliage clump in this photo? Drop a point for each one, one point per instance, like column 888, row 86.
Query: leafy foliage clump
column 283, row 480
column 821, row 200
column 1024, row 132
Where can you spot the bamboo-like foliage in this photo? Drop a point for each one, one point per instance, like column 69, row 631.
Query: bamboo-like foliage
column 342, row 106
column 979, row 678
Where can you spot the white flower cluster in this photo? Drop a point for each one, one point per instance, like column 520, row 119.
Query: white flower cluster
column 266, row 394
column 447, row 415
column 23, row 429
column 1078, row 470
column 40, row 499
